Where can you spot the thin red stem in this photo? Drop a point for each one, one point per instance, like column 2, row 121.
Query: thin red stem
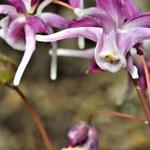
column 118, row 114
column 63, row 4
column 35, row 116
column 142, row 99
column 146, row 75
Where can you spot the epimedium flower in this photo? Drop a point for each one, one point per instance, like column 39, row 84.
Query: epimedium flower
column 117, row 26
column 24, row 19
column 84, row 136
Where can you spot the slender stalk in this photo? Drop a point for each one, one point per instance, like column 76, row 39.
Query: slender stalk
column 35, row 116
column 146, row 76
column 118, row 114
column 142, row 99
column 63, row 4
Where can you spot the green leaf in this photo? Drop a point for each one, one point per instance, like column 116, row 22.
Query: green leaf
column 7, row 69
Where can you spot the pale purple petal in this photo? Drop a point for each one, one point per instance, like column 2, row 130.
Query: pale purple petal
column 100, row 17
column 54, row 20
column 94, row 68
column 93, row 140
column 34, row 2
column 92, row 33
column 130, row 9
column 14, row 34
column 7, row 10
column 29, row 8
column 141, row 21
column 88, row 53
column 132, row 69
column 30, row 48
column 85, row 22
column 113, row 8
column 129, row 38
column 19, row 5
column 78, row 134
column 75, row 3
column 37, row 24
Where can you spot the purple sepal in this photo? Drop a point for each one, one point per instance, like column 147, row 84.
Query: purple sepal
column 19, row 5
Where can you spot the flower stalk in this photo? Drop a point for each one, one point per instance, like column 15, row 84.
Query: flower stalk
column 118, row 114
column 35, row 116
column 142, row 99
column 146, row 76
column 58, row 2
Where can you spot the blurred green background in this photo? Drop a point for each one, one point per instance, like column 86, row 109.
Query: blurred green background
column 69, row 99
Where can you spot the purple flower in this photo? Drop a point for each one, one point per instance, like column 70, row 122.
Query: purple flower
column 77, row 3
column 83, row 135
column 117, row 27
column 23, row 21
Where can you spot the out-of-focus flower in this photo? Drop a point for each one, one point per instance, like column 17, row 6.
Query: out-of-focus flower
column 84, row 135
column 73, row 148
column 23, row 21
column 117, row 27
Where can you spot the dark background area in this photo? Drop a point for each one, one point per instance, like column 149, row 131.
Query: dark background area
column 68, row 100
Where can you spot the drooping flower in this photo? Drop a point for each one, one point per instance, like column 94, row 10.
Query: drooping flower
column 85, row 136
column 118, row 26
column 23, row 21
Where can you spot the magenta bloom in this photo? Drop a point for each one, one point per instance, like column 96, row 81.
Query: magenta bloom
column 115, row 25
column 23, row 21
column 85, row 136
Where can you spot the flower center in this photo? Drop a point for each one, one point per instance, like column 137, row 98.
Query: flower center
column 111, row 59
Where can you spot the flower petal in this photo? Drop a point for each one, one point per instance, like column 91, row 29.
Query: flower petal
column 19, row 5
column 129, row 38
column 141, row 21
column 76, row 3
column 30, row 48
column 102, row 17
column 113, row 8
column 94, row 68
column 89, row 53
column 53, row 70
column 37, row 24
column 132, row 69
column 85, row 22
column 7, row 10
column 78, row 134
column 48, row 19
column 34, row 2
column 92, row 33
column 14, row 34
column 93, row 139
column 130, row 9
column 29, row 7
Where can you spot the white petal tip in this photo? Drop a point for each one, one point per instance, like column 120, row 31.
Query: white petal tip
column 50, row 52
column 39, row 38
column 81, row 43
column 16, row 82
column 146, row 122
column 78, row 12
column 53, row 77
column 134, row 73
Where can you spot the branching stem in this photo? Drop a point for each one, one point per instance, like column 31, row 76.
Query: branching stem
column 118, row 114
column 35, row 116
